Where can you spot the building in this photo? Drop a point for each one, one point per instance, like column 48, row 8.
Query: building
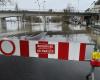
column 94, row 7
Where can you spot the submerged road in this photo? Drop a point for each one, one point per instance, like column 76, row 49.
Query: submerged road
column 18, row 68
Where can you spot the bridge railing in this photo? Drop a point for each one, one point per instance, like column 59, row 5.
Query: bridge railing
column 50, row 10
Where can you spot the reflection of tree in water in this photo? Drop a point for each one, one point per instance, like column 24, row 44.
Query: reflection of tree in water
column 90, row 39
column 69, row 37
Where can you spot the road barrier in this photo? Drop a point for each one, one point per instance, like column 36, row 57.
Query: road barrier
column 45, row 49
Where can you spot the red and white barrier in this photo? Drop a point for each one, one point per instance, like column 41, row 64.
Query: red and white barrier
column 44, row 49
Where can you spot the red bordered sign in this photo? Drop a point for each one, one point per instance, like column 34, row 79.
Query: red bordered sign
column 45, row 48
column 5, row 52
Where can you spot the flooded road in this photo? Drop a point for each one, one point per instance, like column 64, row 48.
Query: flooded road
column 19, row 68
column 83, row 38
column 57, row 27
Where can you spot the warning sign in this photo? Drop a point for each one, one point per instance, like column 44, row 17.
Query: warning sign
column 7, row 47
column 45, row 48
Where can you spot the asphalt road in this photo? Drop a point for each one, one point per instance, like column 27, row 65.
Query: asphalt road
column 19, row 68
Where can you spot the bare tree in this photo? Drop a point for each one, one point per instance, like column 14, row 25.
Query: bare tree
column 4, row 2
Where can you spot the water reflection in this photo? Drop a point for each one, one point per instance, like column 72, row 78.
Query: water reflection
column 49, row 27
column 83, row 38
column 57, row 27
column 13, row 26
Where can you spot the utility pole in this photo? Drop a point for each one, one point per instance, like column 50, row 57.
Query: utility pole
column 44, row 17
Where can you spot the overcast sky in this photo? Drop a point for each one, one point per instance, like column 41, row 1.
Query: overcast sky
column 54, row 4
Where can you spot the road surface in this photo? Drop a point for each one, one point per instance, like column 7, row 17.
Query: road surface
column 19, row 68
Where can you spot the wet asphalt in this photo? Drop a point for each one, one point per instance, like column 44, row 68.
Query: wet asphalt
column 19, row 68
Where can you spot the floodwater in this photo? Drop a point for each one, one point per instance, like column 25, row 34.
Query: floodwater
column 19, row 68
column 55, row 27
column 81, row 38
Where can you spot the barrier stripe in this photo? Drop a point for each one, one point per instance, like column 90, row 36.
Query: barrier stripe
column 82, row 51
column 74, row 49
column 63, row 50
column 55, row 55
column 17, row 47
column 89, row 50
column 24, row 48
column 32, row 49
column 41, row 55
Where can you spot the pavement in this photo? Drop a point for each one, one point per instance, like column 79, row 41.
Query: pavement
column 19, row 68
